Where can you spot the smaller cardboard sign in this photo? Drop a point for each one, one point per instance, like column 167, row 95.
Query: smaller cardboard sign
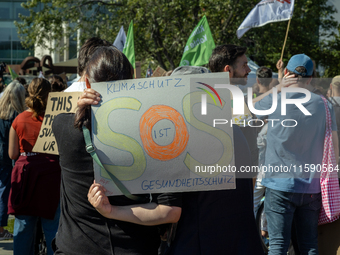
column 58, row 102
column 158, row 72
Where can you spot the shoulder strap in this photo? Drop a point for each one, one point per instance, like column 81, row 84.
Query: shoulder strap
column 335, row 102
column 90, row 149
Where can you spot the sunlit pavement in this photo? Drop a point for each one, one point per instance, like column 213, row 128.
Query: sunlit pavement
column 6, row 247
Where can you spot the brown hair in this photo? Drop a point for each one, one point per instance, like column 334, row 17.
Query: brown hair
column 57, row 83
column 225, row 55
column 38, row 92
column 106, row 64
column 264, row 74
column 86, row 51
column 21, row 80
column 300, row 69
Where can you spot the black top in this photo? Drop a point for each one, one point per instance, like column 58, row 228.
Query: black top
column 82, row 230
column 5, row 126
column 222, row 221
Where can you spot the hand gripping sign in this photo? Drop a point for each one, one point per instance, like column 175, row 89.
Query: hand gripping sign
column 151, row 135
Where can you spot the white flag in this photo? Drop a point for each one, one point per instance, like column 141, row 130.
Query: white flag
column 265, row 12
column 120, row 39
column 41, row 75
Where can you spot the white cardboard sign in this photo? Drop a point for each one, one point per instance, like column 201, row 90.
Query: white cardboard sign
column 151, row 134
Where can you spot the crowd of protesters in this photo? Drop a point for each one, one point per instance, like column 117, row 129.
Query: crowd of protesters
column 78, row 218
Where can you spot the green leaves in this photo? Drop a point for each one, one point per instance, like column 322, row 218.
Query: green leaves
column 162, row 28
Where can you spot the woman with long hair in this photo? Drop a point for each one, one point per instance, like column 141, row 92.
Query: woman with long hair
column 83, row 229
column 11, row 104
column 35, row 184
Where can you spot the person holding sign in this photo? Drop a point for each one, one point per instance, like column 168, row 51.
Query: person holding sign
column 211, row 222
column 85, row 53
column 35, row 184
column 11, row 104
column 83, row 229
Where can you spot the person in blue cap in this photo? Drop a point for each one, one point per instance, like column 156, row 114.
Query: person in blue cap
column 293, row 193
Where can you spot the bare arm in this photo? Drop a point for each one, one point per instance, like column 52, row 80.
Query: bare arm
column 143, row 214
column 280, row 69
column 335, row 145
column 287, row 81
column 13, row 146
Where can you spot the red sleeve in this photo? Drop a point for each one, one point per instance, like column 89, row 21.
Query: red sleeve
column 15, row 123
column 27, row 129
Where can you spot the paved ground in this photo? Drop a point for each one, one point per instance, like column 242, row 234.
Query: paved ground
column 6, row 247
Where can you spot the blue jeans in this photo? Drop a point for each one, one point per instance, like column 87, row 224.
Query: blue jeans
column 5, row 186
column 281, row 208
column 25, row 230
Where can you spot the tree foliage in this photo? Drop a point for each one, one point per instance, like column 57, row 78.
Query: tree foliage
column 330, row 50
column 162, row 27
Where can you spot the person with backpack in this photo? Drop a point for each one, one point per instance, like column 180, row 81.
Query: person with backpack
column 131, row 227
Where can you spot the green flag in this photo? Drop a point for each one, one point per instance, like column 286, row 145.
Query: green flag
column 129, row 47
column 13, row 74
column 199, row 46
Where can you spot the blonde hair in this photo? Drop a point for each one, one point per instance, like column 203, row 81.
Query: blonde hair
column 38, row 92
column 13, row 100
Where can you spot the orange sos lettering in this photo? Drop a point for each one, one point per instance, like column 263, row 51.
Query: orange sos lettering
column 180, row 141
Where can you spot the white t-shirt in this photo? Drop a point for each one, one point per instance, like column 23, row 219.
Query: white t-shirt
column 76, row 86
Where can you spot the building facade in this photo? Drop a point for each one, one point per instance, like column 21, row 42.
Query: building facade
column 11, row 50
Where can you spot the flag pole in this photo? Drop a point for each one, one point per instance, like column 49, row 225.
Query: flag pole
column 284, row 44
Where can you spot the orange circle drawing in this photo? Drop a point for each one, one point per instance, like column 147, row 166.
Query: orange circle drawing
column 149, row 119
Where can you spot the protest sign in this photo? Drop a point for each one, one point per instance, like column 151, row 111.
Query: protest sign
column 58, row 102
column 153, row 136
column 159, row 71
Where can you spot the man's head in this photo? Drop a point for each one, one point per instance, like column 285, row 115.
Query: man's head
column 87, row 50
column 230, row 58
column 264, row 76
column 302, row 67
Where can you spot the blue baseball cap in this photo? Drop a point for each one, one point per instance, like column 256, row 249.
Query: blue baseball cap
column 301, row 60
